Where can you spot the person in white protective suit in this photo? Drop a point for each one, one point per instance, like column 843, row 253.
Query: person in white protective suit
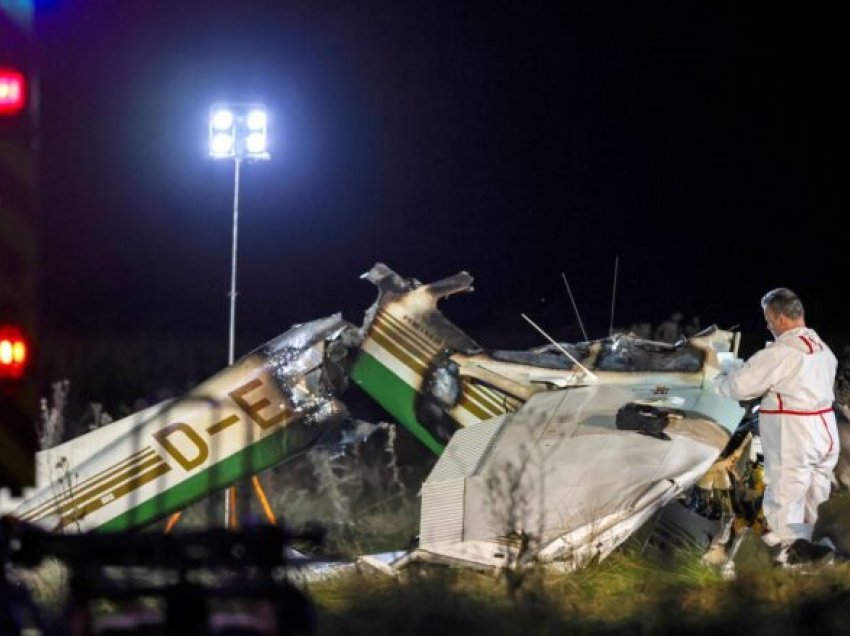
column 794, row 376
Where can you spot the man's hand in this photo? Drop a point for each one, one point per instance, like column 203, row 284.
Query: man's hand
column 729, row 363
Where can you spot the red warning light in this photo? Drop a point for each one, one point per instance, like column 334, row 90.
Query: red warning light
column 14, row 352
column 13, row 91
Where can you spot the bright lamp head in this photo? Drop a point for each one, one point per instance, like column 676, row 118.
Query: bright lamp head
column 256, row 120
column 221, row 119
column 238, row 131
column 222, row 145
column 255, row 143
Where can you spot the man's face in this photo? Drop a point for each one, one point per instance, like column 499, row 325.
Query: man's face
column 774, row 322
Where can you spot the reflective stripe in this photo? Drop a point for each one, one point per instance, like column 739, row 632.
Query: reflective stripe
column 812, row 344
column 822, row 412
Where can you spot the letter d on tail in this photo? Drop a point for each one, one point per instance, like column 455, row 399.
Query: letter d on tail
column 201, row 447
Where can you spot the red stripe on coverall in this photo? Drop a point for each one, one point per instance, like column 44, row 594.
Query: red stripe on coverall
column 819, row 413
column 792, row 412
column 811, row 344
column 808, row 344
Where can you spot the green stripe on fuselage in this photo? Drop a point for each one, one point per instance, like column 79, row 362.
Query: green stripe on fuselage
column 269, row 451
column 394, row 394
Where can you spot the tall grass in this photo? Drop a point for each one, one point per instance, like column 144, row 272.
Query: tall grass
column 625, row 594
column 366, row 501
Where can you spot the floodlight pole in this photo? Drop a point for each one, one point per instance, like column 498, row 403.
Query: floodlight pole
column 225, row 142
column 230, row 493
column 232, row 340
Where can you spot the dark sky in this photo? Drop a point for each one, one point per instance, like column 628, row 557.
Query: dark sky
column 703, row 145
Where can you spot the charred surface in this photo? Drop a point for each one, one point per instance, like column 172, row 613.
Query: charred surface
column 441, row 391
column 626, row 353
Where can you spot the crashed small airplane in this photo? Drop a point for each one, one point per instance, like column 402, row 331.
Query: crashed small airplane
column 553, row 455
column 539, row 464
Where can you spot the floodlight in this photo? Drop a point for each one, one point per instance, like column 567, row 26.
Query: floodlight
column 255, row 143
column 238, row 131
column 222, row 119
column 256, row 120
column 222, row 145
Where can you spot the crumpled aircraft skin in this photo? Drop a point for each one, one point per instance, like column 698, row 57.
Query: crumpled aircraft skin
column 559, row 482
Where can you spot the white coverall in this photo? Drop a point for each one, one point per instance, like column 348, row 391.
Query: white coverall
column 795, row 377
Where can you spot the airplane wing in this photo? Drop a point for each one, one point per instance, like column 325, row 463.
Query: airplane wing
column 558, row 481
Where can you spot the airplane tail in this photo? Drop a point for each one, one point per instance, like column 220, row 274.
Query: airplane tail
column 405, row 359
column 248, row 417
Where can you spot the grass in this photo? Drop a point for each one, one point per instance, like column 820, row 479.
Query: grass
column 625, row 594
column 365, row 504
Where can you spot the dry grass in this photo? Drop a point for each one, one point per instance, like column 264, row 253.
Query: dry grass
column 623, row 594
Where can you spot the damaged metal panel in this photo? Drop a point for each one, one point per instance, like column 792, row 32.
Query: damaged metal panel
column 443, row 493
column 401, row 362
column 442, row 511
column 560, row 483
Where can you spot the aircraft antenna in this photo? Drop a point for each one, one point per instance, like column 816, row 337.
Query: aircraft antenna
column 575, row 307
column 562, row 350
column 613, row 296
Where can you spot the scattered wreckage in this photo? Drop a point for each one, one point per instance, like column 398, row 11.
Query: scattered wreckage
column 553, row 455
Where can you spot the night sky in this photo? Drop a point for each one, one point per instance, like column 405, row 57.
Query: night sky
column 703, row 145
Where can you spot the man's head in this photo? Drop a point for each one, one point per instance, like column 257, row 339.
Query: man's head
column 783, row 311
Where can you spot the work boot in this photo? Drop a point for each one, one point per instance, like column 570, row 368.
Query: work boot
column 837, row 557
column 804, row 552
column 824, row 540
